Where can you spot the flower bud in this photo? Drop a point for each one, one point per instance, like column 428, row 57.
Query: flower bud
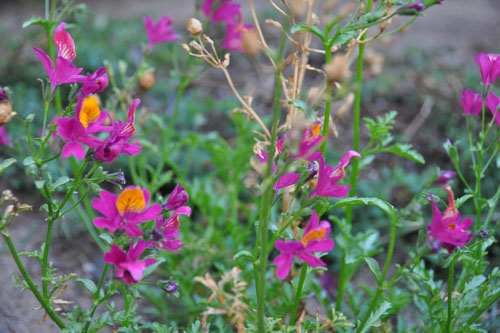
column 194, row 27
column 436, row 245
column 6, row 113
column 147, row 80
column 251, row 42
column 119, row 178
column 484, row 233
column 177, row 198
column 171, row 287
column 445, row 176
column 3, row 95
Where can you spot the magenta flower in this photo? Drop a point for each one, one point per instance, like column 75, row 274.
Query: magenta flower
column 234, row 34
column 125, row 211
column 315, row 239
column 447, row 227
column 328, row 177
column 492, row 102
column 418, row 6
column 128, row 267
column 116, row 143
column 311, row 140
column 75, row 131
column 471, row 102
column 226, row 11
column 64, row 71
column 167, row 231
column 95, row 82
column 445, row 176
column 4, row 138
column 489, row 66
column 161, row 31
column 177, row 198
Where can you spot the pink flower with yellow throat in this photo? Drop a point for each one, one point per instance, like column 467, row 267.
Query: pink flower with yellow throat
column 126, row 210
column 76, row 131
column 314, row 239
column 447, row 227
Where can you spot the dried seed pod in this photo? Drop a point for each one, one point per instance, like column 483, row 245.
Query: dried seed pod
column 251, row 42
column 147, row 80
column 338, row 68
column 6, row 113
column 194, row 27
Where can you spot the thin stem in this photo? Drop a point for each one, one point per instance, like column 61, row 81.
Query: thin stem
column 298, row 293
column 478, row 191
column 97, row 299
column 381, row 282
column 46, row 255
column 483, row 308
column 34, row 289
column 182, row 87
column 450, row 294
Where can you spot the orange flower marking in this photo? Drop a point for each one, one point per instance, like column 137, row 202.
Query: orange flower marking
column 130, row 200
column 90, row 111
column 452, row 209
column 316, row 129
column 452, row 226
column 316, row 235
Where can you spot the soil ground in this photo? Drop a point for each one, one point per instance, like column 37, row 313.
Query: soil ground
column 456, row 30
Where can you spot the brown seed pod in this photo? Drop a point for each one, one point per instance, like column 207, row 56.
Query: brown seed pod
column 147, row 80
column 6, row 113
column 194, row 27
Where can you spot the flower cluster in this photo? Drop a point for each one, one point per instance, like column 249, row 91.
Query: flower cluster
column 127, row 211
column 472, row 103
column 447, row 228
column 230, row 13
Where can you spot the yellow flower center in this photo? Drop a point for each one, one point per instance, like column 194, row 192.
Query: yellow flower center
column 90, row 111
column 130, row 200
column 315, row 235
column 452, row 226
column 316, row 129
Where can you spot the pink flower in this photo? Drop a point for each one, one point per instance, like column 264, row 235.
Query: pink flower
column 328, row 177
column 472, row 103
column 167, row 231
column 4, row 138
column 226, row 11
column 177, row 198
column 128, row 267
column 64, row 71
column 75, row 131
column 445, row 176
column 447, row 227
column 489, row 65
column 125, row 211
column 116, row 143
column 311, row 140
column 492, row 102
column 95, row 82
column 161, row 31
column 314, row 239
column 234, row 34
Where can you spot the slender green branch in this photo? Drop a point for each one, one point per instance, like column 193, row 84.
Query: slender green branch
column 298, row 293
column 450, row 295
column 483, row 308
column 34, row 289
column 97, row 299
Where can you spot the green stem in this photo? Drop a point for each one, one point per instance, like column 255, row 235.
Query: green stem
column 34, row 289
column 450, row 294
column 381, row 282
column 46, row 256
column 298, row 293
column 97, row 299
column 478, row 191
column 492, row 208
column 182, row 86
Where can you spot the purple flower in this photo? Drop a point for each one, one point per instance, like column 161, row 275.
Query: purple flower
column 177, row 198
column 314, row 239
column 3, row 95
column 311, row 140
column 445, row 176
column 161, row 31
column 328, row 177
column 128, row 267
column 95, row 82
column 226, row 11
column 171, row 287
column 125, row 211
column 471, row 102
column 234, row 34
column 484, row 233
column 447, row 227
column 492, row 102
column 64, row 71
column 418, row 6
column 117, row 142
column 167, row 231
column 4, row 138
column 489, row 66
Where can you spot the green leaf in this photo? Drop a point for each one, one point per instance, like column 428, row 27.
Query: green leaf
column 344, row 38
column 460, row 201
column 39, row 183
column 373, row 265
column 302, row 26
column 299, row 104
column 354, row 201
column 28, row 161
column 404, row 150
column 6, row 164
column 61, row 181
column 243, row 253
column 34, row 21
column 107, row 238
column 474, row 283
column 88, row 284
column 375, row 315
